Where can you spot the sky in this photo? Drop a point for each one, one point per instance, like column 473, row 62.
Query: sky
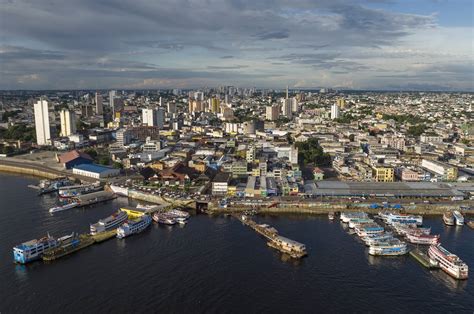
column 156, row 44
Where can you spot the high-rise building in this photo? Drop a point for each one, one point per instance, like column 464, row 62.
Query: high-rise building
column 272, row 113
column 68, row 122
column 286, row 109
column 43, row 131
column 153, row 117
column 334, row 111
column 99, row 108
column 171, row 106
column 341, row 102
column 112, row 95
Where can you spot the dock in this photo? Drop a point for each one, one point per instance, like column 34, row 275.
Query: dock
column 51, row 255
column 423, row 259
column 284, row 245
column 94, row 198
column 101, row 237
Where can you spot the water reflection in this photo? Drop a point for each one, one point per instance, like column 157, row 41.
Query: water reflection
column 449, row 282
column 396, row 262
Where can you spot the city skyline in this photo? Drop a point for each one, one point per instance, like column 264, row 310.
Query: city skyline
column 376, row 45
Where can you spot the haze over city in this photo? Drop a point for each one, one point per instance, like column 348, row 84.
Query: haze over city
column 380, row 45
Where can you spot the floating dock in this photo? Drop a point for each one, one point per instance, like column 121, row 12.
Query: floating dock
column 94, row 198
column 284, row 245
column 423, row 259
column 85, row 240
column 101, row 237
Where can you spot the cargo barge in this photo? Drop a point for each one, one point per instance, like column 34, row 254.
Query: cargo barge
column 68, row 245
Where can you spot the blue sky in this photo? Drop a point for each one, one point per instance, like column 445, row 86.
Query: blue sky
column 360, row 44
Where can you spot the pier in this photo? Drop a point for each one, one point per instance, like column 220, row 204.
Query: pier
column 423, row 259
column 284, row 245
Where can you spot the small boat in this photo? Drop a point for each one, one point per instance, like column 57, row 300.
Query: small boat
column 64, row 207
column 331, row 215
column 448, row 262
column 471, row 224
column 458, row 217
column 448, row 218
column 181, row 221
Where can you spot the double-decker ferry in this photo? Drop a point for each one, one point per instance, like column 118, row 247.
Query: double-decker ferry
column 413, row 229
column 448, row 218
column 164, row 218
column 389, row 248
column 426, row 239
column 345, row 217
column 392, row 218
column 33, row 249
column 448, row 262
column 112, row 222
column 134, row 226
column 384, row 237
column 359, row 221
column 369, row 230
column 458, row 217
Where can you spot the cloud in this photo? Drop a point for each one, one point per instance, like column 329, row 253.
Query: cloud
column 113, row 43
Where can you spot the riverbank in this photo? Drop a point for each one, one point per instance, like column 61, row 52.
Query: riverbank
column 36, row 170
column 324, row 209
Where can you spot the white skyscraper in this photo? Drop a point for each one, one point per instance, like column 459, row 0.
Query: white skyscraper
column 43, row 132
column 334, row 111
column 68, row 122
column 99, row 108
column 286, row 108
column 153, row 117
column 112, row 95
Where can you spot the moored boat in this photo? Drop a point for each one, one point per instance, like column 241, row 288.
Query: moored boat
column 285, row 245
column 165, row 219
column 64, row 207
column 448, row 218
column 76, row 190
column 33, row 249
column 378, row 238
column 359, row 221
column 426, row 239
column 368, row 230
column 448, row 262
column 459, row 218
column 133, row 226
column 345, row 217
column 109, row 223
column 389, row 248
column 331, row 215
column 392, row 218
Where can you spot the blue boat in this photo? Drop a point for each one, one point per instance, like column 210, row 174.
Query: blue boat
column 33, row 249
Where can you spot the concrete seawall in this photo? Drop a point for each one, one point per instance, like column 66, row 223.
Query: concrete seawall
column 28, row 171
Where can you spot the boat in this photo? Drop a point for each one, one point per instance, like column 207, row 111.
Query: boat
column 109, row 223
column 288, row 246
column 119, row 190
column 423, row 238
column 378, row 238
column 458, row 217
column 345, row 217
column 359, row 221
column 53, row 186
column 392, row 218
column 165, row 219
column 64, row 207
column 331, row 215
column 133, row 227
column 368, row 230
column 181, row 221
column 411, row 229
column 389, row 248
column 76, row 190
column 33, row 249
column 448, row 218
column 448, row 262
column 179, row 213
